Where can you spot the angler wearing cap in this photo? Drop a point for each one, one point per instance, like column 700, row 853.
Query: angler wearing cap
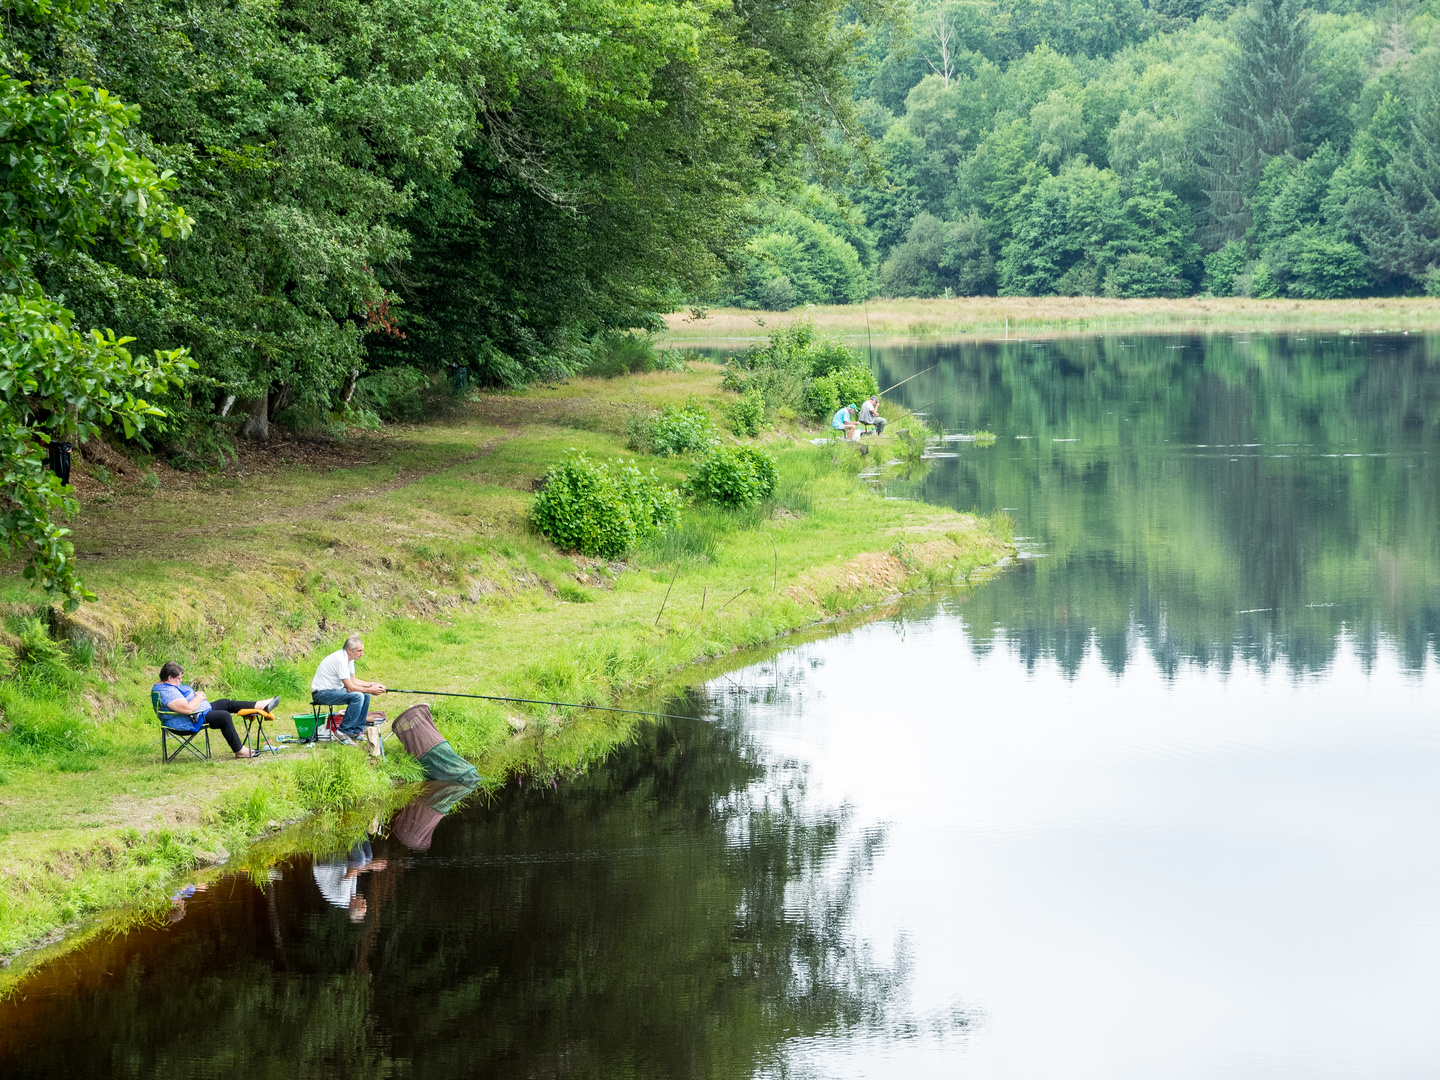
column 335, row 684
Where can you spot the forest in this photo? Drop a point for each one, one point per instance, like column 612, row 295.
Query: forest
column 220, row 215
column 1105, row 147
column 224, row 214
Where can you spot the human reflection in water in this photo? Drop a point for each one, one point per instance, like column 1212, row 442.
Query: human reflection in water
column 339, row 879
column 415, row 825
column 177, row 902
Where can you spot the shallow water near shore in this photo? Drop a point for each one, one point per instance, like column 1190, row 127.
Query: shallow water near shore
column 1159, row 800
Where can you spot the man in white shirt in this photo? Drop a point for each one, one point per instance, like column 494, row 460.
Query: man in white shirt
column 870, row 414
column 335, row 684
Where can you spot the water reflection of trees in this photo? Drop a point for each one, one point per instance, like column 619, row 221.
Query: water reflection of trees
column 681, row 912
column 1156, row 538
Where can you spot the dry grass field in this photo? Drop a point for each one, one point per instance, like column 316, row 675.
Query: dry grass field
column 997, row 317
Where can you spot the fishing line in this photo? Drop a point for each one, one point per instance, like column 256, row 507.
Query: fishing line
column 535, row 701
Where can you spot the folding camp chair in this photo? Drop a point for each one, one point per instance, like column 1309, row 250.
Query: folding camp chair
column 186, row 739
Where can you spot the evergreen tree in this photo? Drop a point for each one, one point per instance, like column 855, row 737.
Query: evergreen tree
column 1256, row 106
column 1402, row 230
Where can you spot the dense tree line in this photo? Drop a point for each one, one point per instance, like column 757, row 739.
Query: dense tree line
column 287, row 198
column 1102, row 147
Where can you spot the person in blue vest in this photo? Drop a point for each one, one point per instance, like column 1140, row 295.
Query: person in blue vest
column 190, row 703
column 844, row 420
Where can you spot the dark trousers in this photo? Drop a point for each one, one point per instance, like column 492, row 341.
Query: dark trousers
column 221, row 720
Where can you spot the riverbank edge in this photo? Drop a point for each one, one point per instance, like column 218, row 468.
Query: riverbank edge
column 1001, row 318
column 932, row 548
column 327, row 830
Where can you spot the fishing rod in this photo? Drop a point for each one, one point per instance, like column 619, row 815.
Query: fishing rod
column 534, row 701
column 902, row 382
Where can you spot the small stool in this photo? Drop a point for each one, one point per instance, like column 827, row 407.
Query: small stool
column 255, row 718
column 307, row 724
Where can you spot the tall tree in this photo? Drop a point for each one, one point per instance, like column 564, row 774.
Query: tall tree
column 1257, row 103
column 68, row 174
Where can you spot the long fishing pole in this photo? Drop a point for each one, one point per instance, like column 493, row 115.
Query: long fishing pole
column 902, row 382
column 534, row 701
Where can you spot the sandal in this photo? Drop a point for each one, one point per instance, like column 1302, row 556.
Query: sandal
column 243, row 752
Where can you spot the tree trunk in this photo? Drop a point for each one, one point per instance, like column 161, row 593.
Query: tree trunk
column 257, row 424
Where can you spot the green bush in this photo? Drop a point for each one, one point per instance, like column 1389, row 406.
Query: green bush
column 747, row 415
column 618, row 353
column 601, row 510
column 735, row 476
column 675, row 430
column 795, row 259
column 786, row 369
column 848, row 386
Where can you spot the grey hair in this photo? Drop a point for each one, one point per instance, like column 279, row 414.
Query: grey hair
column 353, row 642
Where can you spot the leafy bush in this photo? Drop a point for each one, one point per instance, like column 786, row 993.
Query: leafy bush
column 735, row 476
column 601, row 510
column 747, row 415
column 786, row 368
column 937, row 257
column 675, row 430
column 615, row 353
column 1314, row 265
column 848, row 386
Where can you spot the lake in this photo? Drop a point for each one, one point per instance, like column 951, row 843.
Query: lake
column 1159, row 800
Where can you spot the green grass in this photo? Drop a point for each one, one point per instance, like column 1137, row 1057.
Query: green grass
column 420, row 541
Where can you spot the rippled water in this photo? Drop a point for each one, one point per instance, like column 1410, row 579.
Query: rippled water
column 1160, row 800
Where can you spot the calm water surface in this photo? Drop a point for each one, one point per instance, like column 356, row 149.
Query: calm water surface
column 1159, row 801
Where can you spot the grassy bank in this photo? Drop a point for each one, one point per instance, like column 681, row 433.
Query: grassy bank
column 419, row 539
column 988, row 316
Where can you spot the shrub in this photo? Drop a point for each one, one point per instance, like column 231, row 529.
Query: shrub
column 786, row 368
column 675, row 430
column 848, row 386
column 735, row 476
column 615, row 353
column 601, row 510
column 747, row 415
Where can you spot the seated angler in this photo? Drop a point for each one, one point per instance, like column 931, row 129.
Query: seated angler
column 176, row 697
column 335, row 684
column 870, row 414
